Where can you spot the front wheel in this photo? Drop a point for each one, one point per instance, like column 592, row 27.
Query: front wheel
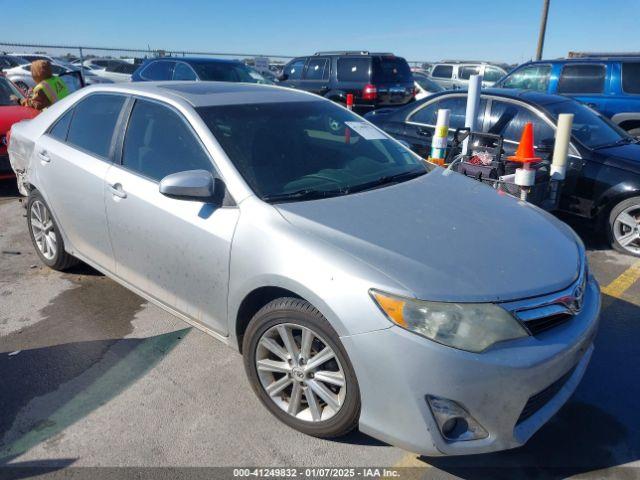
column 299, row 369
column 624, row 226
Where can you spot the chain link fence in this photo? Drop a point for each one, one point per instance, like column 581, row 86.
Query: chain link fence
column 70, row 53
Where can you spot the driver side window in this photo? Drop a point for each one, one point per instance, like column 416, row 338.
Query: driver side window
column 149, row 151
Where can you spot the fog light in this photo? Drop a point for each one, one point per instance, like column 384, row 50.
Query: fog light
column 454, row 422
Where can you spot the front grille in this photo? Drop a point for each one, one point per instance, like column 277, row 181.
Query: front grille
column 540, row 399
column 543, row 324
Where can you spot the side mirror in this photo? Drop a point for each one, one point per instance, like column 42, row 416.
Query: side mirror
column 189, row 185
column 282, row 77
column 546, row 145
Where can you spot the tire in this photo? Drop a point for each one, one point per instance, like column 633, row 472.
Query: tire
column 48, row 243
column 634, row 132
column 624, row 236
column 297, row 316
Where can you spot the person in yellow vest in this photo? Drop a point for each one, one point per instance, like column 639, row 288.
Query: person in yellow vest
column 48, row 89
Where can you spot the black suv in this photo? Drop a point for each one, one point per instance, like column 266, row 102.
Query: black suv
column 374, row 79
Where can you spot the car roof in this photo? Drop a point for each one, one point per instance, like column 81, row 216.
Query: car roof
column 204, row 94
column 584, row 60
column 195, row 60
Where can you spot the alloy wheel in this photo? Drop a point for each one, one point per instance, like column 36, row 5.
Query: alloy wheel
column 43, row 230
column 300, row 372
column 626, row 229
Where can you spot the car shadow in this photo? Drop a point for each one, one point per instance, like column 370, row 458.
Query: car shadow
column 598, row 428
column 9, row 189
column 48, row 389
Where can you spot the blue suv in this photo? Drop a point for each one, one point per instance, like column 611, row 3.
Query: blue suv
column 610, row 85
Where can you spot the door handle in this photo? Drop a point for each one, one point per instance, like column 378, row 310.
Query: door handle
column 44, row 156
column 117, row 190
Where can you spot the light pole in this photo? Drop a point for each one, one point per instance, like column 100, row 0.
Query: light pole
column 543, row 29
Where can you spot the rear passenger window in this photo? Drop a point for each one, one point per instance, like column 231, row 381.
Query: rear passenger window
column 294, row 70
column 317, row 69
column 354, row 69
column 160, row 70
column 442, row 71
column 631, row 77
column 582, row 79
column 148, row 149
column 61, row 127
column 93, row 123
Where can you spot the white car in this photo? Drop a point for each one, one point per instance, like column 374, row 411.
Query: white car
column 117, row 72
column 21, row 76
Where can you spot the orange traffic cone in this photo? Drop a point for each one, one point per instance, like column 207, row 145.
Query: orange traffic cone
column 525, row 152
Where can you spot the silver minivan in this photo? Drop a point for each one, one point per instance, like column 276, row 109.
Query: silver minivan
column 363, row 287
column 455, row 75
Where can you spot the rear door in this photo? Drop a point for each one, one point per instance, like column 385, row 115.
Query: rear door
column 176, row 251
column 74, row 157
column 585, row 82
column 393, row 80
column 315, row 77
column 421, row 123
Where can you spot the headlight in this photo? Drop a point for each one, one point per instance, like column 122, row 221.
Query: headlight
column 468, row 326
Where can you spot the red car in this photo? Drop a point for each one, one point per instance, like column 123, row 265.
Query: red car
column 10, row 113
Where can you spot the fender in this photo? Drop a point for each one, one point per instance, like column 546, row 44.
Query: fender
column 614, row 195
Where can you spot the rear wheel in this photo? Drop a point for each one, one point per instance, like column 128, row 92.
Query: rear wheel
column 624, row 226
column 300, row 370
column 45, row 234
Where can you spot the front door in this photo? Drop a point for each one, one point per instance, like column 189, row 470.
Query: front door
column 177, row 251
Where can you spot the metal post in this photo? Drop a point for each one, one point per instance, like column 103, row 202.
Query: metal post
column 543, row 29
column 81, row 67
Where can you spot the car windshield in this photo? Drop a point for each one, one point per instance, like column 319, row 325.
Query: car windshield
column 224, row 72
column 289, row 151
column 589, row 127
column 6, row 90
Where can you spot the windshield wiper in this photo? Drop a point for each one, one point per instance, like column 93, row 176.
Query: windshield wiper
column 387, row 179
column 303, row 194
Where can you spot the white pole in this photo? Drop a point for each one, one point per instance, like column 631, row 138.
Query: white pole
column 440, row 136
column 473, row 105
column 561, row 147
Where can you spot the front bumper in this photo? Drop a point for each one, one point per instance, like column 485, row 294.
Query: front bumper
column 397, row 369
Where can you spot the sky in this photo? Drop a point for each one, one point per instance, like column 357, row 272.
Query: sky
column 429, row 30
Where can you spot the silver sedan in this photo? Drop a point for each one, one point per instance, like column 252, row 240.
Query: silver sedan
column 362, row 286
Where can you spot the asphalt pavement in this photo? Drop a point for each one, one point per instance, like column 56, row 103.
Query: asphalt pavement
column 93, row 375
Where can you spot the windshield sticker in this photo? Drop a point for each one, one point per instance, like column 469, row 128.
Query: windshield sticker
column 366, row 131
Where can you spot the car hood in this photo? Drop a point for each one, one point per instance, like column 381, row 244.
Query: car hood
column 444, row 237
